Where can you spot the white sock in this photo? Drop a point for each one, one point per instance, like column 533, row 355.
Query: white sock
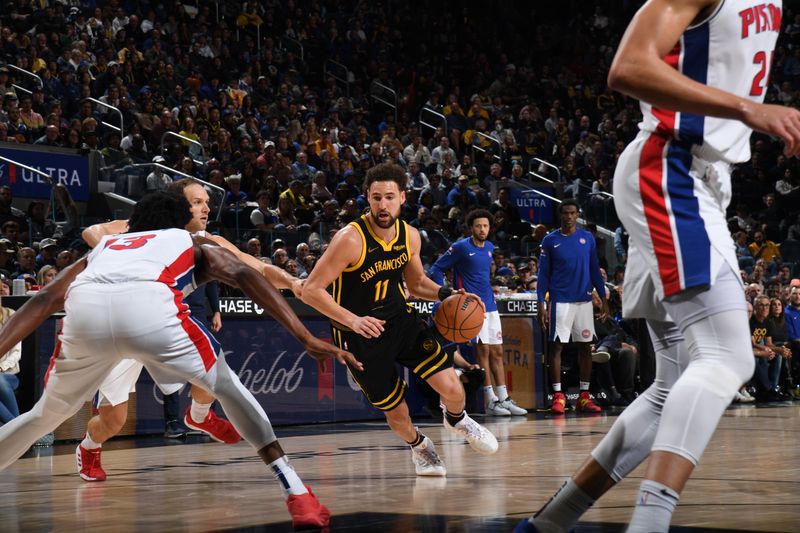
column 502, row 392
column 199, row 411
column 654, row 508
column 89, row 444
column 584, row 386
column 488, row 394
column 556, row 387
column 288, row 478
column 563, row 510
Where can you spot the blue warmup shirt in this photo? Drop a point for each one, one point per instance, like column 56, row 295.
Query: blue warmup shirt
column 471, row 266
column 568, row 268
column 793, row 322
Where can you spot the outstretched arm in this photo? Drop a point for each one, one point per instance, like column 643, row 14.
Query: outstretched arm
column 94, row 233
column 221, row 264
column 639, row 70
column 36, row 310
column 277, row 276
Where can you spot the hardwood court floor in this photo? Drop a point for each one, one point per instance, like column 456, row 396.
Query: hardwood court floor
column 749, row 480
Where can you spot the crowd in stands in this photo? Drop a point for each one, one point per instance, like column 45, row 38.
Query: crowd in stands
column 283, row 140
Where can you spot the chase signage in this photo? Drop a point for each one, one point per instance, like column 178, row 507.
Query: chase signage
column 245, row 307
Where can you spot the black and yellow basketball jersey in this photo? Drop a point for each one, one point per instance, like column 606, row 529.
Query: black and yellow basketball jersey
column 374, row 285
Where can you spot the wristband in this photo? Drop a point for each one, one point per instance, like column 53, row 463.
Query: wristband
column 444, row 293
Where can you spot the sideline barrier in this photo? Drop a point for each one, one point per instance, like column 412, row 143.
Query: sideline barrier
column 286, row 382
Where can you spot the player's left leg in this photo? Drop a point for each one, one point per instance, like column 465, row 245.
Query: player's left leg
column 582, row 332
column 252, row 422
column 498, row 369
column 112, row 407
column 178, row 351
column 714, row 324
column 490, row 398
column 585, row 403
column 101, row 427
column 624, row 447
column 201, row 417
column 456, row 419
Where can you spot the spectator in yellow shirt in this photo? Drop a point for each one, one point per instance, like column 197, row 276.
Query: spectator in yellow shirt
column 324, row 143
column 765, row 249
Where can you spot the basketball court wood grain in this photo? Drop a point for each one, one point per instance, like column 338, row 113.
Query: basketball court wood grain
column 748, row 480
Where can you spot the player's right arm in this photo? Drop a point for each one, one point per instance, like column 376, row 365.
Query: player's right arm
column 445, row 262
column 39, row 308
column 543, row 281
column 639, row 70
column 95, row 232
column 277, row 276
column 219, row 263
column 343, row 251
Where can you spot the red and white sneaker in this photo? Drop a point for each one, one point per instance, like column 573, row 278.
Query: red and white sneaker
column 215, row 427
column 585, row 404
column 307, row 512
column 559, row 404
column 89, row 466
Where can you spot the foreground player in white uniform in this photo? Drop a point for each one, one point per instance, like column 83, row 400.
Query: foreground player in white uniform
column 701, row 78
column 136, row 282
column 114, row 391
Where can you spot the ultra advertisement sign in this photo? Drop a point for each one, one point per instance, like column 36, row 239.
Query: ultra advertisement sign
column 71, row 170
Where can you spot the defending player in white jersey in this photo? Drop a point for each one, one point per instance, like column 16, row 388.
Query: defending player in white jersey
column 136, row 282
column 121, row 381
column 701, row 77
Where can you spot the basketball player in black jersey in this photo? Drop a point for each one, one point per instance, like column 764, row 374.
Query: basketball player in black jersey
column 366, row 264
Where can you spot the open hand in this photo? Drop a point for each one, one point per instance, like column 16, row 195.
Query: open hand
column 777, row 120
column 322, row 351
column 542, row 313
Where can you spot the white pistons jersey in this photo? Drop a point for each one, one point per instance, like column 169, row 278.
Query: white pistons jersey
column 731, row 50
column 165, row 256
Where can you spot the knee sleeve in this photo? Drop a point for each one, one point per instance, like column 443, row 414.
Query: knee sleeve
column 241, row 407
column 629, row 440
column 631, row 437
column 721, row 360
column 723, row 340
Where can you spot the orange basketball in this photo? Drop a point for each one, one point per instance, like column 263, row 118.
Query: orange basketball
column 459, row 318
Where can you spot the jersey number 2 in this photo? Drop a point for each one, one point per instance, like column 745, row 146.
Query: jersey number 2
column 380, row 289
column 129, row 243
column 760, row 79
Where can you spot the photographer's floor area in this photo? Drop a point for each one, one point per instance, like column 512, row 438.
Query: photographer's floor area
column 748, row 480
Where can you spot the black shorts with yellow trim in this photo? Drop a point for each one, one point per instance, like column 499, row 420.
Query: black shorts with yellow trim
column 406, row 340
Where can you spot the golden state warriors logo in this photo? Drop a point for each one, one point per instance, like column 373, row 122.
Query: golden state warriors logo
column 428, row 345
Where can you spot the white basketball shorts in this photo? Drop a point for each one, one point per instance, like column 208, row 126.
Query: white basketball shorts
column 121, row 382
column 491, row 332
column 571, row 322
column 672, row 203
column 144, row 321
